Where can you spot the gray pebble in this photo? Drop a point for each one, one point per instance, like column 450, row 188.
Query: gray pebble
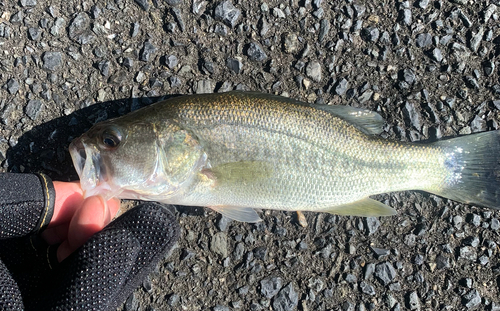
column 128, row 62
column 367, row 288
column 255, row 52
column 51, row 60
column 173, row 2
column 371, row 224
column 488, row 67
column 17, row 18
column 474, row 219
column 436, row 55
column 475, row 39
column 380, row 252
column 442, row 262
column 104, row 67
column 471, row 241
column 413, row 301
column 347, row 306
column 12, row 86
column 176, row 12
column 406, row 17
column 135, row 29
column 223, row 222
column 26, row 3
column 494, row 224
column 478, row 125
column 290, row 43
column 79, row 29
column 33, row 109
column 472, row 299
column 468, row 252
column 370, row 34
column 173, row 300
column 286, row 300
column 313, row 71
column 385, row 272
column 143, row 4
column 369, row 269
column 147, row 52
column 227, row 13
column 351, row 278
column 234, row 64
column 171, row 61
column 408, row 75
column 324, row 28
column 423, row 4
column 269, row 287
column 423, row 40
column 204, row 86
column 221, row 308
column 34, row 33
column 412, row 115
column 132, row 303
column 55, row 30
column 218, row 244
column 359, row 10
column 488, row 12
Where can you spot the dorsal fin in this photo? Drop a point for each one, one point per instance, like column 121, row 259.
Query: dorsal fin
column 369, row 122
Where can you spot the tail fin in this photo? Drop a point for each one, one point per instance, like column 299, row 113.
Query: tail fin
column 473, row 162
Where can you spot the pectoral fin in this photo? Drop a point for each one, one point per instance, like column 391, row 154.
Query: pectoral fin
column 365, row 208
column 243, row 214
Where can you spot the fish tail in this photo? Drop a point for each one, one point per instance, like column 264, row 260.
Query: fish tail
column 473, row 166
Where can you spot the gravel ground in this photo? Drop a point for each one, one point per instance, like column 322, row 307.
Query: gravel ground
column 430, row 68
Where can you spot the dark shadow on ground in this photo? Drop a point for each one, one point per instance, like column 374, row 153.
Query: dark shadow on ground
column 44, row 149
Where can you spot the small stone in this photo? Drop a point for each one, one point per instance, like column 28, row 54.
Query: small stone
column 475, row 39
column 412, row 115
column 408, row 75
column 234, row 64
column 468, row 252
column 313, row 70
column 385, row 272
column 27, row 3
column 135, row 29
column 255, row 52
column 221, row 308
column 423, row 4
column 286, row 300
column 147, row 52
column 359, row 10
column 488, row 67
column 471, row 241
column 371, row 224
column 171, row 61
column 51, row 60
column 370, row 34
column 173, row 2
column 277, row 12
column 478, row 125
column 103, row 67
column 218, row 244
column 495, row 224
column 472, row 299
column 442, row 262
column 79, row 29
column 12, row 86
column 173, row 300
column 413, row 301
column 290, row 43
column 380, row 252
column 269, row 287
column 369, row 269
column 223, row 223
column 33, row 109
column 423, row 40
column 128, row 62
column 178, row 18
column 34, row 33
column 406, row 17
column 227, row 13
column 471, row 82
column 436, row 55
column 324, row 28
column 204, row 87
column 175, row 81
column 143, row 4
column 367, row 288
column 488, row 12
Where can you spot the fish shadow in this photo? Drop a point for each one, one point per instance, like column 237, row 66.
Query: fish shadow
column 44, row 149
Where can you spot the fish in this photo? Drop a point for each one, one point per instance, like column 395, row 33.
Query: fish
column 236, row 152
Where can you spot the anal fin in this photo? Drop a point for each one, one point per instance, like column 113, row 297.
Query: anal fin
column 365, row 208
column 243, row 214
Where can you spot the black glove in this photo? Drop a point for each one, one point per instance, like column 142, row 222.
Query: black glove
column 100, row 275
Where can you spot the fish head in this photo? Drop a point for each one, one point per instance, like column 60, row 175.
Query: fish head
column 135, row 160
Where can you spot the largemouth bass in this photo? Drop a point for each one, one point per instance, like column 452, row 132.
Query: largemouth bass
column 237, row 151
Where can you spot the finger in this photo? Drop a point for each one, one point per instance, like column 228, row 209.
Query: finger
column 69, row 197
column 90, row 218
column 56, row 234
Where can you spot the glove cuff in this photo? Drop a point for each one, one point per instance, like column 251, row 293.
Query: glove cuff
column 49, row 194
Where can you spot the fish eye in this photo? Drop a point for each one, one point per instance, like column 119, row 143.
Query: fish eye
column 111, row 138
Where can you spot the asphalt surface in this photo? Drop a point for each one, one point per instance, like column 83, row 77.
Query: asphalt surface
column 430, row 68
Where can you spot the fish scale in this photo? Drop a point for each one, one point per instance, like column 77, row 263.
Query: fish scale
column 241, row 150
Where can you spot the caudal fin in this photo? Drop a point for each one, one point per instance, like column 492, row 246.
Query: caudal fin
column 473, row 162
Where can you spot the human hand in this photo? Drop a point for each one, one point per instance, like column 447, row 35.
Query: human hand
column 76, row 219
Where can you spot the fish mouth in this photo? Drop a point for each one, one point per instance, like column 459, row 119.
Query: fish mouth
column 90, row 169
